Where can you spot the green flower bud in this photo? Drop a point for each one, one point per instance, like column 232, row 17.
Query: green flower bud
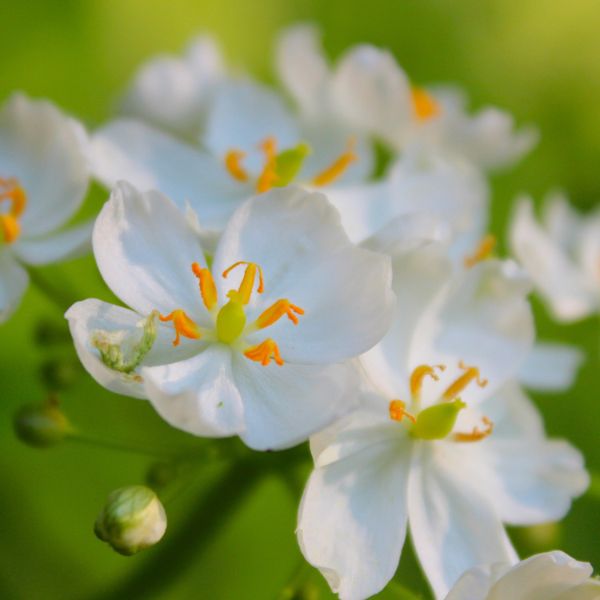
column 59, row 373
column 231, row 321
column 132, row 519
column 161, row 474
column 41, row 425
column 49, row 332
column 289, row 163
column 437, row 421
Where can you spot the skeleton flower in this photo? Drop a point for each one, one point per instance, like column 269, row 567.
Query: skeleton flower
column 561, row 255
column 548, row 576
column 256, row 345
column 43, row 180
column 444, row 442
column 372, row 93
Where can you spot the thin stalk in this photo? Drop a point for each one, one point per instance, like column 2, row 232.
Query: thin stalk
column 116, row 445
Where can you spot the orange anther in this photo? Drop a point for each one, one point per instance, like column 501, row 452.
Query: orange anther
column 268, row 176
column 338, row 166
column 398, row 412
column 233, row 164
column 275, row 312
column 484, row 249
column 9, row 228
column 418, row 375
column 245, row 290
column 11, row 191
column 208, row 290
column 424, row 105
column 477, row 434
column 264, row 352
column 184, row 326
column 470, row 374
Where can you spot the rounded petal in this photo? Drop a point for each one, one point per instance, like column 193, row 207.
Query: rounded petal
column 453, row 525
column 198, row 395
column 297, row 238
column 352, row 518
column 551, row 367
column 151, row 160
column 144, row 247
column 372, row 92
column 284, row 405
column 13, row 283
column 45, row 151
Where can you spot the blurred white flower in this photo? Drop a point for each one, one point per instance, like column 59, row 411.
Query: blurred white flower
column 257, row 345
column 370, row 91
column 561, row 253
column 445, row 441
column 43, row 180
column 548, row 576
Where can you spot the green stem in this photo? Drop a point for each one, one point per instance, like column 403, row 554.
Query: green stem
column 115, row 445
column 61, row 299
column 400, row 592
column 297, row 581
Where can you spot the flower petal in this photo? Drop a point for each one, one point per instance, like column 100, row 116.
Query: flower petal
column 144, row 247
column 551, row 367
column 297, row 238
column 198, row 395
column 284, row 405
column 44, row 150
column 13, row 283
column 452, row 524
column 352, row 518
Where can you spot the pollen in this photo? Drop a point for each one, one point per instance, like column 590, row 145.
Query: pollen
column 470, row 374
column 398, row 411
column 183, row 325
column 477, row 434
column 12, row 193
column 244, row 293
column 483, row 251
column 424, row 105
column 208, row 290
column 276, row 311
column 419, row 374
column 264, row 352
column 268, row 177
column 338, row 167
column 233, row 164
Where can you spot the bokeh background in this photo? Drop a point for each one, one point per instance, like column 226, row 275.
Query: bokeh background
column 540, row 59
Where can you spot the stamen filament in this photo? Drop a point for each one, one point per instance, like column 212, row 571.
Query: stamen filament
column 11, row 191
column 477, row 434
column 183, row 325
column 275, row 312
column 484, row 250
column 419, row 374
column 268, row 176
column 470, row 374
column 338, row 167
column 264, row 352
column 208, row 290
column 233, row 164
column 244, row 292
column 398, row 412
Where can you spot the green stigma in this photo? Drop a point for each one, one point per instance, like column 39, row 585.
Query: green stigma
column 437, row 421
column 289, row 162
column 231, row 321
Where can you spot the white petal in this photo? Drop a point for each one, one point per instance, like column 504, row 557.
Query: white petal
column 89, row 316
column 554, row 274
column 473, row 585
column 43, row 149
column 198, row 395
column 144, row 247
column 551, row 367
column 70, row 243
column 284, row 405
column 297, row 238
column 352, row 519
column 243, row 115
column 302, row 68
column 13, row 283
column 372, row 92
column 452, row 524
column 151, row 160
column 174, row 93
column 589, row 590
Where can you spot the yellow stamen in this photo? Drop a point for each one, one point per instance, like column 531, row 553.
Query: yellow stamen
column 245, row 290
column 208, row 290
column 275, row 312
column 10, row 228
column 398, row 412
column 419, row 374
column 470, row 374
column 264, row 352
column 484, row 250
column 11, row 191
column 424, row 105
column 183, row 325
column 268, row 176
column 477, row 434
column 338, row 166
column 233, row 164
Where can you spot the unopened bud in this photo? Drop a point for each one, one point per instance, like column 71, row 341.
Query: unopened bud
column 58, row 374
column 161, row 474
column 437, row 421
column 132, row 519
column 41, row 425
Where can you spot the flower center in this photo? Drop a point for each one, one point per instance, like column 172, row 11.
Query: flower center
column 230, row 319
column 483, row 251
column 437, row 421
column 13, row 201
column 424, row 105
column 281, row 168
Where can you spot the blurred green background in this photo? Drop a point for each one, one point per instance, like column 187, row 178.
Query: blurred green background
column 539, row 59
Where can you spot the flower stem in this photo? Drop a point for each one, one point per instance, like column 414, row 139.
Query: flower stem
column 115, row 445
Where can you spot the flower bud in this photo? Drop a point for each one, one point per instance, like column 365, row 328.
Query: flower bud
column 437, row 421
column 161, row 474
column 41, row 425
column 58, row 374
column 132, row 519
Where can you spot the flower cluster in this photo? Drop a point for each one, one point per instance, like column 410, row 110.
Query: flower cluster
column 273, row 288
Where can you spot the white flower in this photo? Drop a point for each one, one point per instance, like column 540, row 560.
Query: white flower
column 549, row 576
column 257, row 345
column 43, row 180
column 445, row 442
column 369, row 90
column 551, row 367
column 175, row 93
column 561, row 255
